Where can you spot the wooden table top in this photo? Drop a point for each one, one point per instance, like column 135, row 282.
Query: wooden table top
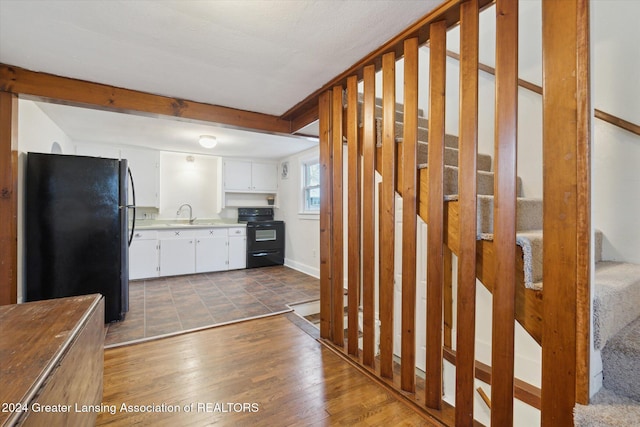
column 33, row 337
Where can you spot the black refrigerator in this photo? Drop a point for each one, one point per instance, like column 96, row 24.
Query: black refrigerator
column 76, row 229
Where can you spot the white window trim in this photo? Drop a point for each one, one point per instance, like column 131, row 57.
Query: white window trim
column 302, row 213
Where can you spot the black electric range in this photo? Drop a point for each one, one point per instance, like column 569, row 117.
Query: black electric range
column 265, row 237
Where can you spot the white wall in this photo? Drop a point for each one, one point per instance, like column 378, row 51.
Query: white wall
column 302, row 244
column 196, row 183
column 616, row 153
column 36, row 133
column 616, row 199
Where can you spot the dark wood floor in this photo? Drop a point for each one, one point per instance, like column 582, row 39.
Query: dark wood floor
column 263, row 372
column 172, row 304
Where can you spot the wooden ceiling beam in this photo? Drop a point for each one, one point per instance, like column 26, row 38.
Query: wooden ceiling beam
column 306, row 111
column 49, row 87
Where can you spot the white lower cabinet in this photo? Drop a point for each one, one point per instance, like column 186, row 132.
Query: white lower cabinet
column 201, row 250
column 237, row 248
column 177, row 252
column 143, row 255
column 211, row 250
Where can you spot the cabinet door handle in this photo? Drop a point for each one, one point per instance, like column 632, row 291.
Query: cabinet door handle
column 191, row 241
column 138, row 235
column 197, row 241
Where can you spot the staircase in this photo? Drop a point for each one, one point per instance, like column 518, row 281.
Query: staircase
column 529, row 221
column 616, row 332
column 616, row 311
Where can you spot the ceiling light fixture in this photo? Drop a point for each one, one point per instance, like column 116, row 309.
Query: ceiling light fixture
column 208, row 141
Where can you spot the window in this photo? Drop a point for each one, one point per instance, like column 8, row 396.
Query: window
column 311, row 187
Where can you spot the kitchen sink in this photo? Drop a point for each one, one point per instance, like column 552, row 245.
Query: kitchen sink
column 195, row 224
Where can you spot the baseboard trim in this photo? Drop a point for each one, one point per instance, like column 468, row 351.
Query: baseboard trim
column 304, row 268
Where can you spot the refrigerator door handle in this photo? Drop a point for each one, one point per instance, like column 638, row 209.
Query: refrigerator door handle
column 133, row 194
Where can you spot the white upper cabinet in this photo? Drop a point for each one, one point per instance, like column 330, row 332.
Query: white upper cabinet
column 237, row 175
column 248, row 176
column 144, row 168
column 264, row 176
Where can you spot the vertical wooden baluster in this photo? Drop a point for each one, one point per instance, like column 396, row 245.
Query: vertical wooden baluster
column 353, row 270
column 447, row 339
column 409, row 214
column 566, row 111
column 505, row 188
column 583, row 203
column 388, row 214
column 467, row 164
column 337, row 242
column 435, row 232
column 9, row 199
column 326, row 196
column 368, row 215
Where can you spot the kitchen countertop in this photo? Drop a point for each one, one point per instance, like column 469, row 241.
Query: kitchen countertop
column 158, row 225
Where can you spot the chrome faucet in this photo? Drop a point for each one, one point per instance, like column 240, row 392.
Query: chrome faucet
column 191, row 218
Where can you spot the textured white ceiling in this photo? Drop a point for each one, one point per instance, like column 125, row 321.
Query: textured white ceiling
column 255, row 55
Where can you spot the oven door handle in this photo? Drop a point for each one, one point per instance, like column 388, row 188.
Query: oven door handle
column 260, row 254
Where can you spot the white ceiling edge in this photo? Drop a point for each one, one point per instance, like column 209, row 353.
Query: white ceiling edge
column 91, row 126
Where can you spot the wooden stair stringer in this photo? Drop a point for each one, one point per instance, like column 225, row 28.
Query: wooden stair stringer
column 528, row 301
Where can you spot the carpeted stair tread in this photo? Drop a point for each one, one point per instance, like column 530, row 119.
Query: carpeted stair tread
column 528, row 214
column 621, row 361
column 451, row 157
column 607, row 409
column 485, row 181
column 399, row 112
column 423, row 135
column 378, row 104
column 399, row 117
column 531, row 243
column 616, row 300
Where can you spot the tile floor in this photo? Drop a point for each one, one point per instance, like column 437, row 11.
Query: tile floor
column 172, row 304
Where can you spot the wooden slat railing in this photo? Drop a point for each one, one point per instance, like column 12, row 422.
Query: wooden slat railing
column 337, row 249
column 409, row 214
column 326, row 287
column 566, row 147
column 435, row 236
column 504, row 216
column 354, row 199
column 467, row 196
column 368, row 215
column 451, row 225
column 387, row 218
